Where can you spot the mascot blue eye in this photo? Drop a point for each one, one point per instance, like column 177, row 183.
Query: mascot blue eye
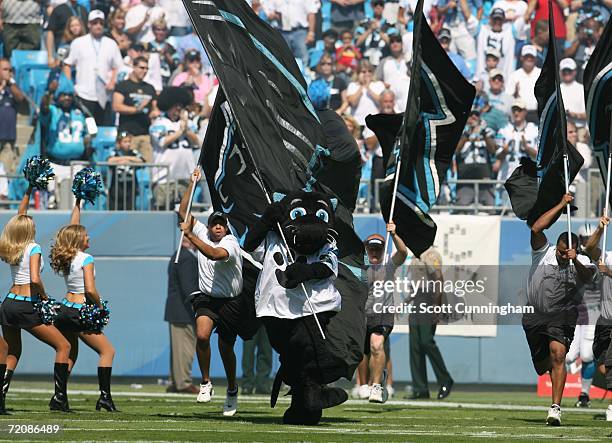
column 323, row 215
column 297, row 212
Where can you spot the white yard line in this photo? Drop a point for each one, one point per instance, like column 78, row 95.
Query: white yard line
column 265, row 400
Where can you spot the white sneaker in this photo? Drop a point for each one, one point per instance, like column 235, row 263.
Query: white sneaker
column 355, row 391
column 554, row 416
column 364, row 392
column 391, row 391
column 206, row 393
column 609, row 413
column 378, row 394
column 231, row 404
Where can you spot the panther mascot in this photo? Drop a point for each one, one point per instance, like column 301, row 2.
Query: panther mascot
column 308, row 362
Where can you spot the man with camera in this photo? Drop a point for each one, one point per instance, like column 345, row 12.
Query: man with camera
column 10, row 97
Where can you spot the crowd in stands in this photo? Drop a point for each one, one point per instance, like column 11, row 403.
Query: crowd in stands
column 120, row 63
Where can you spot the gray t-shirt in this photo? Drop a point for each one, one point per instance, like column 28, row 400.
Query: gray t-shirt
column 553, row 288
column 606, row 290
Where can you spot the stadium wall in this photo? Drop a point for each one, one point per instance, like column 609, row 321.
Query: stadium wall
column 132, row 251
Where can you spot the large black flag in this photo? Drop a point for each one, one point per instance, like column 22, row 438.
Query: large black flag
column 426, row 138
column 598, row 95
column 531, row 196
column 264, row 133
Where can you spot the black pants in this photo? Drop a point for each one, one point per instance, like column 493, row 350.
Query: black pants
column 102, row 116
column 302, row 351
column 422, row 344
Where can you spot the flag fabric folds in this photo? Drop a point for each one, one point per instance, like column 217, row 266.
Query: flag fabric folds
column 533, row 195
column 426, row 137
column 598, row 95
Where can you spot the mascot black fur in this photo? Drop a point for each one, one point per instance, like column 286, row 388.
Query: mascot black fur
column 308, row 362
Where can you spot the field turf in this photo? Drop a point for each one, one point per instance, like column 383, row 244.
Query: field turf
column 149, row 414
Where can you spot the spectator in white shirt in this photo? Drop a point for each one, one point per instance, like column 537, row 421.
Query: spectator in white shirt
column 522, row 81
column 516, row 140
column 139, row 20
column 491, row 62
column 394, row 73
column 97, row 60
column 363, row 93
column 297, row 23
column 497, row 92
column 176, row 17
column 573, row 95
column 495, row 36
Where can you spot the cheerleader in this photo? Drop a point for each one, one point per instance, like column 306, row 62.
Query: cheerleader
column 69, row 259
column 17, row 312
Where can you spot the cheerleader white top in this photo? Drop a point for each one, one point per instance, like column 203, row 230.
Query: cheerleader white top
column 75, row 282
column 21, row 272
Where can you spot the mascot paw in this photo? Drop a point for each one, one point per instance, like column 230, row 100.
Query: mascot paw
column 297, row 415
column 293, row 275
column 322, row 397
column 273, row 214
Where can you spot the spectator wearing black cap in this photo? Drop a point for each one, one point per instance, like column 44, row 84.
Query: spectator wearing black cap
column 135, row 101
column 97, row 60
column 193, row 76
column 495, row 35
column 521, row 82
column 372, row 35
column 444, row 37
column 462, row 24
column 57, row 25
column 393, row 71
column 174, row 139
column 474, row 151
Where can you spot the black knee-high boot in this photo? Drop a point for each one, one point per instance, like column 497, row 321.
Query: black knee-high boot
column 2, row 404
column 104, row 381
column 8, row 375
column 59, row 402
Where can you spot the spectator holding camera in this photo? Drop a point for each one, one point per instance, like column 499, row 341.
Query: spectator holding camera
column 10, row 97
column 589, row 31
column 135, row 101
column 372, row 36
column 474, row 152
column 193, row 77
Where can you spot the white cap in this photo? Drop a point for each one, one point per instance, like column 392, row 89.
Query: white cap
column 95, row 15
column 495, row 72
column 529, row 50
column 567, row 63
column 494, row 52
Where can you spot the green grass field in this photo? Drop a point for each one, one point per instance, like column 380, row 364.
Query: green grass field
column 149, row 414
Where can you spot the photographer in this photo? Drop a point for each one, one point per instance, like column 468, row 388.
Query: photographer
column 372, row 35
column 474, row 151
column 10, row 97
column 590, row 28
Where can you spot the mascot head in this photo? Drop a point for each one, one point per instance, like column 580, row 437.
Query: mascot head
column 309, row 220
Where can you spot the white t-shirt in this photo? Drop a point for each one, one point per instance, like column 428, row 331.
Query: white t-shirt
column 396, row 74
column 294, row 13
column 93, row 60
column 552, row 288
column 526, row 84
column 4, row 186
column 513, row 136
column 410, row 6
column 606, row 290
column 220, row 278
column 75, row 280
column 136, row 15
column 573, row 100
column 273, row 300
column 503, row 41
column 513, row 8
column 178, row 155
column 176, row 14
column 366, row 104
column 21, row 273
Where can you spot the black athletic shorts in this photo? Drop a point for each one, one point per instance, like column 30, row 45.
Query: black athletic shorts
column 602, row 341
column 19, row 314
column 69, row 319
column 231, row 316
column 384, row 330
column 541, row 329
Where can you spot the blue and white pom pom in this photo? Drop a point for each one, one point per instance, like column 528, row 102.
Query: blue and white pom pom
column 48, row 310
column 93, row 318
column 38, row 172
column 87, row 185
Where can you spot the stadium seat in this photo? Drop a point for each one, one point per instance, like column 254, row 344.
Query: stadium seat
column 104, row 142
column 21, row 59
